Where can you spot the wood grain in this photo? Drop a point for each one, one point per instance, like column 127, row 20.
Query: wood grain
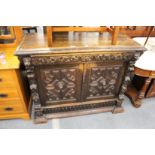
column 104, row 72
column 13, row 99
column 16, row 34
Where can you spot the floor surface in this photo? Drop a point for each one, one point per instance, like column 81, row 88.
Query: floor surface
column 132, row 118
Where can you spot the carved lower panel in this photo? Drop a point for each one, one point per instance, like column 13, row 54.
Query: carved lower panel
column 78, row 107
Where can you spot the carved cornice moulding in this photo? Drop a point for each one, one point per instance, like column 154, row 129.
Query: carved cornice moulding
column 40, row 60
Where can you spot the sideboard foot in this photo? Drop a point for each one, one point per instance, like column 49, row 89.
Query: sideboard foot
column 40, row 120
column 39, row 117
column 118, row 110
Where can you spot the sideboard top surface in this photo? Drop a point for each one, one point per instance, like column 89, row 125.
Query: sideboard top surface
column 36, row 43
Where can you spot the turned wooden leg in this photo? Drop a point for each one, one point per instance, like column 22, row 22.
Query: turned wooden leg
column 142, row 92
column 136, row 96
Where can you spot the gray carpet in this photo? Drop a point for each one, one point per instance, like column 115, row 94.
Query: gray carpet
column 132, row 118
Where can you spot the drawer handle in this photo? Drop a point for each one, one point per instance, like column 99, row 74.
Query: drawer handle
column 1, row 80
column 3, row 95
column 8, row 109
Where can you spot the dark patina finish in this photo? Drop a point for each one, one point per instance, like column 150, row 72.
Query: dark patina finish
column 81, row 74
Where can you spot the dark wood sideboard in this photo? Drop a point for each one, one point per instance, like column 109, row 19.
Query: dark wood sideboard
column 81, row 74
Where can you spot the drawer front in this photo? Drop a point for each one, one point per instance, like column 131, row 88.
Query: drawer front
column 6, row 79
column 15, row 102
column 8, row 93
column 11, row 109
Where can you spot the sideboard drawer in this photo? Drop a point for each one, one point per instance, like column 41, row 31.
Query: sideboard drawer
column 6, row 79
column 8, row 93
column 15, row 102
column 11, row 109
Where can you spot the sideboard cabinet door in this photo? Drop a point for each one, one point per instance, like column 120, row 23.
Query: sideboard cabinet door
column 102, row 80
column 59, row 83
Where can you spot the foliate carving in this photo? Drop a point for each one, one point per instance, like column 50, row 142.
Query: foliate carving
column 32, row 82
column 103, row 81
column 133, row 60
column 59, row 84
column 34, row 90
column 125, row 83
column 38, row 113
column 33, row 86
column 137, row 55
column 128, row 75
column 27, row 61
column 39, row 60
column 78, row 107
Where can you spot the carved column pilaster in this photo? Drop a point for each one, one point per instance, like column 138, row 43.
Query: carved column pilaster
column 128, row 75
column 39, row 117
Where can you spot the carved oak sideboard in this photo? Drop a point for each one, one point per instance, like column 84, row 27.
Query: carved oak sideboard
column 80, row 74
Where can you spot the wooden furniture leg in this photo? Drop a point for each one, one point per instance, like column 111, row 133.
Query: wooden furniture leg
column 115, row 35
column 136, row 96
column 49, row 36
column 142, row 92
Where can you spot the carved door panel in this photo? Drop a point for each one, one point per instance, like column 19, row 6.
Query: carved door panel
column 102, row 80
column 59, row 83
